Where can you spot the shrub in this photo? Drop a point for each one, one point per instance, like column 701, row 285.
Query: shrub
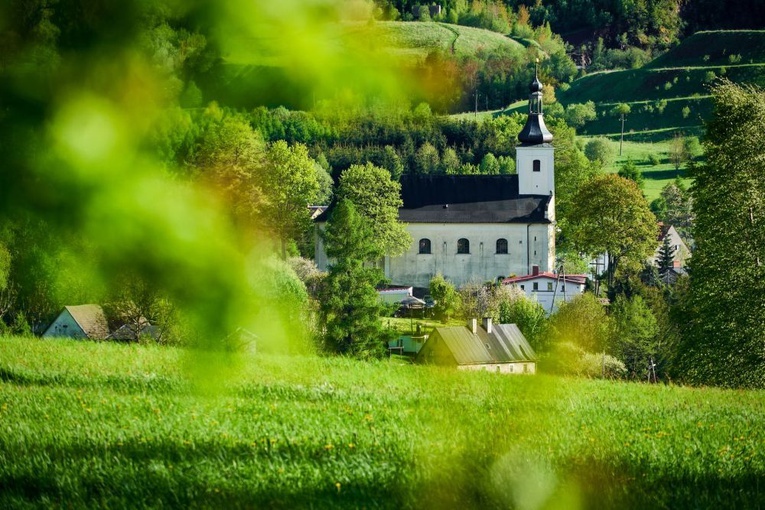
column 600, row 149
column 569, row 359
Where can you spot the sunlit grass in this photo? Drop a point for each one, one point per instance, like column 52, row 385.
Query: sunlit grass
column 88, row 424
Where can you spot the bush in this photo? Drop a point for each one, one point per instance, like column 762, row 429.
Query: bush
column 569, row 359
column 600, row 149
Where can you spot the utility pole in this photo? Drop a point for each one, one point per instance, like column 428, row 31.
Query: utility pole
column 621, row 140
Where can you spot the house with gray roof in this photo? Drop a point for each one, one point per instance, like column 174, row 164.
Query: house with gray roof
column 82, row 321
column 500, row 348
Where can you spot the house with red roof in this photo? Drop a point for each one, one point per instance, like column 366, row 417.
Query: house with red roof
column 548, row 288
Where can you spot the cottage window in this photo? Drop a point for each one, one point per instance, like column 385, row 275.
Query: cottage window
column 536, row 286
column 502, row 246
column 425, row 246
column 549, row 286
column 463, row 246
column 537, row 165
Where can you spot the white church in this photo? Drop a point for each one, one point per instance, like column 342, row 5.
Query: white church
column 480, row 227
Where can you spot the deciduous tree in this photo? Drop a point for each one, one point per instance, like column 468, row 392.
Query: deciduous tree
column 724, row 342
column 611, row 215
column 377, row 198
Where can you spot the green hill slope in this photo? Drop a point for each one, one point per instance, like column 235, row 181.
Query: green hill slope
column 415, row 40
column 253, row 72
column 672, row 92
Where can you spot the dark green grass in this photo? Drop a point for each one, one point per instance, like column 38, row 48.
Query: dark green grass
column 87, row 425
column 714, row 48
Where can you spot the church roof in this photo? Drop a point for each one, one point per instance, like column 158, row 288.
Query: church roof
column 466, row 199
column 469, row 199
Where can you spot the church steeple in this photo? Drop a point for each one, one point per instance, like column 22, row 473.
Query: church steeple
column 535, row 132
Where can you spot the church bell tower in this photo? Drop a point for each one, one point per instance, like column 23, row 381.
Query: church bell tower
column 534, row 160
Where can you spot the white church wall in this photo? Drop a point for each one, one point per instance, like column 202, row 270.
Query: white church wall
column 529, row 181
column 527, row 245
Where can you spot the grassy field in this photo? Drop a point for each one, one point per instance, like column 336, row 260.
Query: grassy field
column 105, row 425
column 656, row 176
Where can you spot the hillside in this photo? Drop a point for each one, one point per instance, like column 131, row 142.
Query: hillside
column 371, row 56
column 99, row 424
column 671, row 93
column 413, row 41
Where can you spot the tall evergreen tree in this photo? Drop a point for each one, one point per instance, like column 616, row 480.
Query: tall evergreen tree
column 724, row 340
column 666, row 259
column 349, row 306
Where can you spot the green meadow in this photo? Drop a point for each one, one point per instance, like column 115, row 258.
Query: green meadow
column 106, row 425
column 671, row 93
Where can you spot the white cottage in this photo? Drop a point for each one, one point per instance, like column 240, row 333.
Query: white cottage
column 549, row 289
column 483, row 227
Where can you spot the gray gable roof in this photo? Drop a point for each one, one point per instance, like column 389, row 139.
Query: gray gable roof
column 505, row 344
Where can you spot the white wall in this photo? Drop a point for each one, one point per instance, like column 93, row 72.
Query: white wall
column 527, row 245
column 535, row 183
column 545, row 297
column 528, row 367
column 64, row 326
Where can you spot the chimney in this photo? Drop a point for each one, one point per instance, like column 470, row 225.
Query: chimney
column 473, row 325
column 487, row 324
column 534, row 270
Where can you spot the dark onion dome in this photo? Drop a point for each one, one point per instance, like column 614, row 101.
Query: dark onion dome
column 535, row 132
column 536, row 85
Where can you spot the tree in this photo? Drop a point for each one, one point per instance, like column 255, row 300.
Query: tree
column 446, row 297
column 723, row 335
column 291, row 179
column 678, row 151
column 426, row 159
column 629, row 170
column 349, row 307
column 583, row 322
column 489, row 165
column 611, row 215
column 578, row 114
column 666, row 259
column 676, row 208
column 634, row 338
column 600, row 149
column 377, row 198
column 514, row 307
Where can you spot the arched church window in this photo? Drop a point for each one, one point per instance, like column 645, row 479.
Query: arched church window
column 537, row 165
column 463, row 246
column 425, row 246
column 501, row 245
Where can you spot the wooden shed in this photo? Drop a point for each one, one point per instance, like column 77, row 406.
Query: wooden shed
column 498, row 348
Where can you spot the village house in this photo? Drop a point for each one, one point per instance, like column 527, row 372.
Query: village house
column 82, row 321
column 549, row 289
column 681, row 254
column 500, row 348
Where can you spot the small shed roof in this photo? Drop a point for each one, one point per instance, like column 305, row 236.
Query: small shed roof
column 91, row 319
column 505, row 344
